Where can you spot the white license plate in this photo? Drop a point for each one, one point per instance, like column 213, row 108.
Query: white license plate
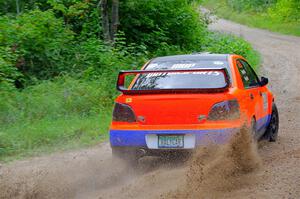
column 170, row 141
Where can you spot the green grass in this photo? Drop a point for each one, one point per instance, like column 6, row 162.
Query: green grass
column 49, row 135
column 252, row 19
column 54, row 115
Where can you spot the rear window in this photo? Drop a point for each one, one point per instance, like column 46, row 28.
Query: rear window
column 179, row 80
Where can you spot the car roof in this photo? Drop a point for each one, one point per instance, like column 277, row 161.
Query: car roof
column 190, row 57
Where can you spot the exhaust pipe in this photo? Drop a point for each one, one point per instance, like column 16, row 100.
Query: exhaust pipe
column 141, row 152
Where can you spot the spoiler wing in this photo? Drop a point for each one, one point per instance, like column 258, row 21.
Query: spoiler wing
column 123, row 74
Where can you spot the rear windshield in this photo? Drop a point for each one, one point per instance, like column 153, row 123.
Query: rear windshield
column 186, row 80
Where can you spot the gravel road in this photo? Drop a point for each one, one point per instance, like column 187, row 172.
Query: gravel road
column 92, row 173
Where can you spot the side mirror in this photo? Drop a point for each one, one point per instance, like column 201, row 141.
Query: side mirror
column 264, row 81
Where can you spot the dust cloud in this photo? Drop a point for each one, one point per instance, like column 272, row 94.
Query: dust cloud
column 70, row 175
column 215, row 170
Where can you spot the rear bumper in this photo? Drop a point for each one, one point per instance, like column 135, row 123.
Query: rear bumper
column 134, row 137
column 148, row 139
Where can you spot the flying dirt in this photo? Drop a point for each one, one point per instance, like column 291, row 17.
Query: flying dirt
column 237, row 170
column 215, row 170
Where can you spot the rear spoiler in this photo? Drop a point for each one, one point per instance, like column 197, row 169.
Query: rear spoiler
column 122, row 75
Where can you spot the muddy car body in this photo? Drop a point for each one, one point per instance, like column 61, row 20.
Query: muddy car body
column 177, row 103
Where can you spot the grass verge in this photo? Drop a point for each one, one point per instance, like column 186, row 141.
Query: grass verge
column 252, row 19
column 48, row 135
column 53, row 115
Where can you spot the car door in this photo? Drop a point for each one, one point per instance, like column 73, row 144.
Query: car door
column 262, row 101
column 252, row 94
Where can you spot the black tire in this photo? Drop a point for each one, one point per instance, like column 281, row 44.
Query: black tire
column 271, row 133
column 130, row 157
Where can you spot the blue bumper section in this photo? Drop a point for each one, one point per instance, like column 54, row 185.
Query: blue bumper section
column 136, row 138
column 263, row 123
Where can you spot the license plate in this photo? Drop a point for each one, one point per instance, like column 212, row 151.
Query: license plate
column 170, row 141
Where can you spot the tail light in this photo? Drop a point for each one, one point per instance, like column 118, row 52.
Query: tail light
column 226, row 110
column 123, row 113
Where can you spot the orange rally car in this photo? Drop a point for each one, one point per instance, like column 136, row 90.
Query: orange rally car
column 177, row 103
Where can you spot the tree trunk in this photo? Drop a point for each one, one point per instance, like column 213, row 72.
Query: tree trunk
column 114, row 19
column 105, row 20
column 17, row 7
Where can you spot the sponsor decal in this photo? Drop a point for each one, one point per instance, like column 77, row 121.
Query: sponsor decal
column 209, row 73
column 218, row 63
column 239, row 64
column 128, row 100
column 243, row 72
column 152, row 66
column 182, row 66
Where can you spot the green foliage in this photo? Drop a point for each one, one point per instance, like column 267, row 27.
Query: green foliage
column 47, row 135
column 280, row 16
column 82, row 17
column 39, row 40
column 154, row 23
column 255, row 5
column 11, row 6
column 8, row 71
column 52, row 99
column 286, row 10
column 283, row 10
column 229, row 44
column 53, row 113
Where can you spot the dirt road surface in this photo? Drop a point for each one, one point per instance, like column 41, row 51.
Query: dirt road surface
column 92, row 173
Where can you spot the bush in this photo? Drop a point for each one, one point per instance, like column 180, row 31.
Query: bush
column 40, row 42
column 153, row 23
column 282, row 10
column 10, row 6
column 286, row 10
column 8, row 71
column 230, row 44
column 82, row 17
column 53, row 113
column 255, row 5
column 62, row 97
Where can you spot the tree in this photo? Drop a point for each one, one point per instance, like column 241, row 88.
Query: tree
column 16, row 7
column 115, row 18
column 110, row 19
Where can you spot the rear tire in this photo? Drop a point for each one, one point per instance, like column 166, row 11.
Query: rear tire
column 271, row 133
